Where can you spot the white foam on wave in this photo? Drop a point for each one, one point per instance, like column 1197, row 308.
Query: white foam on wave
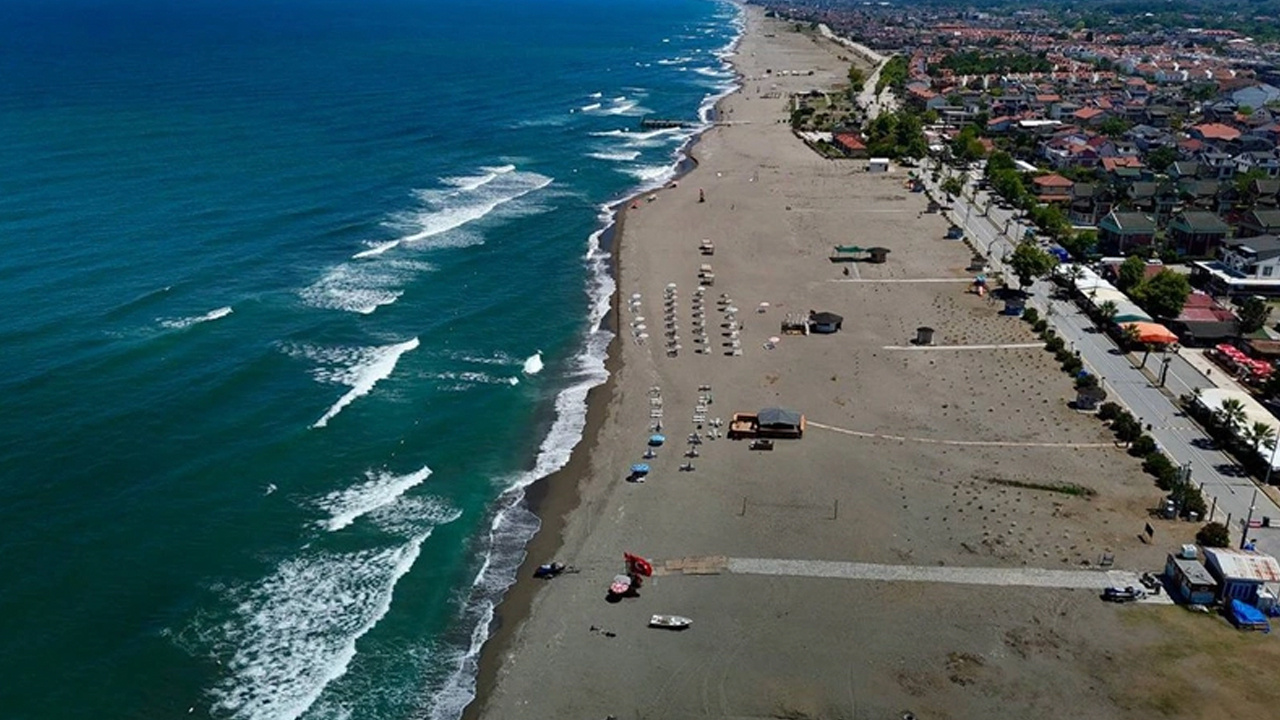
column 372, row 365
column 379, row 489
column 651, row 175
column 676, row 60
column 468, row 183
column 295, row 632
column 533, row 364
column 376, row 249
column 615, row 155
column 469, row 378
column 513, row 524
column 590, row 108
column 596, row 95
column 442, row 211
column 186, row 322
column 362, row 286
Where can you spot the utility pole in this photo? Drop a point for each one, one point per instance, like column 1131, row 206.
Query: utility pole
column 1244, row 534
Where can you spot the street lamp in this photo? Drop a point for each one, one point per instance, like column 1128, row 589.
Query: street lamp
column 1244, row 535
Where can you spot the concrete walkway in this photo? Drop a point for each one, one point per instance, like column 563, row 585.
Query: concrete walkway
column 962, row 443
column 1000, row 577
column 1008, row 346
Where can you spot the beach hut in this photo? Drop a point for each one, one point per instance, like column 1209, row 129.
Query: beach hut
column 1241, row 573
column 1191, row 583
column 825, row 323
column 776, row 422
column 878, row 165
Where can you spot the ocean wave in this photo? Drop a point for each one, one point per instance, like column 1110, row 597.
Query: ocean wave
column 359, row 287
column 379, row 489
column 513, row 525
column 533, row 364
column 651, row 176
column 676, row 60
column 615, row 155
column 590, row 108
column 499, row 358
column 371, row 365
column 180, row 323
column 467, row 183
column 295, row 632
column 467, row 379
column 441, row 211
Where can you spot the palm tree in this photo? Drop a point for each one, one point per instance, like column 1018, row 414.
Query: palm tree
column 1231, row 414
column 1108, row 311
column 1259, row 434
column 1129, row 335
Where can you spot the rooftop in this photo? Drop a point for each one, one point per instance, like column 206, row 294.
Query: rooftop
column 1244, row 565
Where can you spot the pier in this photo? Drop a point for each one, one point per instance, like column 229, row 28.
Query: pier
column 660, row 123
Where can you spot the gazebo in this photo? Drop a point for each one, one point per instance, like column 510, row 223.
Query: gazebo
column 825, row 323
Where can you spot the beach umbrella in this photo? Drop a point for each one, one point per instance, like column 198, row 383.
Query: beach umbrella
column 643, row 336
column 639, row 318
column 657, row 440
column 635, row 296
column 671, row 286
column 731, row 309
column 640, row 468
column 775, row 339
column 702, row 289
column 638, row 565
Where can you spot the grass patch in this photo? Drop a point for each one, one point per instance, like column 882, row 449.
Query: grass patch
column 1071, row 489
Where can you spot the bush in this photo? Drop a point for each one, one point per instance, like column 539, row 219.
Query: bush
column 1214, row 535
column 1040, row 326
column 1189, row 499
column 1031, row 315
column 1157, row 463
column 1072, row 365
column 1130, row 432
column 1086, row 380
column 1143, row 445
column 1054, row 344
column 1109, row 411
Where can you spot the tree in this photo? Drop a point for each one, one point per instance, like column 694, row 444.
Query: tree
column 1029, row 262
column 952, row 186
column 1231, row 414
column 1113, row 127
column 1165, row 294
column 1161, row 158
column 857, row 78
column 1107, row 311
column 1259, row 434
column 1132, row 271
column 999, row 160
column 1214, row 534
column 1129, row 335
column 1253, row 314
column 1079, row 244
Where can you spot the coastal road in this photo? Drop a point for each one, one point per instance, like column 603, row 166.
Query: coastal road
column 874, row 104
column 1232, row 492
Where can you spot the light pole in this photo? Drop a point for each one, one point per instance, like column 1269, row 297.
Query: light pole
column 1244, row 534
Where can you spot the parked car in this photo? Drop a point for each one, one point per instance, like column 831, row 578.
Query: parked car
column 1123, row 595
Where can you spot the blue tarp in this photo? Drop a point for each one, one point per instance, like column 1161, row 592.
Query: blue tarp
column 1245, row 615
column 1060, row 253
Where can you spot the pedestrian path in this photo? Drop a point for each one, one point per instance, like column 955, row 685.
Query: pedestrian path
column 963, row 443
column 999, row 577
column 1006, row 346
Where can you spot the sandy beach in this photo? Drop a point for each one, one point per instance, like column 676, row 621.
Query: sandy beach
column 905, row 554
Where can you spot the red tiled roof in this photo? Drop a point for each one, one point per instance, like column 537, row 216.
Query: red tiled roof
column 1111, row 163
column 1052, row 181
column 1217, row 131
column 850, row 141
column 1088, row 113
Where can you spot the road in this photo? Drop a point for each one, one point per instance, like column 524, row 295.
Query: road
column 1231, row 491
column 873, row 103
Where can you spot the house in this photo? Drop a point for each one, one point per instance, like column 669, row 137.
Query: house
column 878, row 165
column 1089, row 203
column 1258, row 161
column 1247, row 266
column 1197, row 233
column 1052, row 188
column 1241, row 573
column 1191, row 583
column 850, row 144
column 1258, row 222
column 1089, row 116
column 1220, row 165
column 1120, row 232
column 1203, row 321
column 1216, row 134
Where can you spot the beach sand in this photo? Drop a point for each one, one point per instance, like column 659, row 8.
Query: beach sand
column 914, row 458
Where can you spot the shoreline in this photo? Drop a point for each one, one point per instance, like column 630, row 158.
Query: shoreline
column 554, row 498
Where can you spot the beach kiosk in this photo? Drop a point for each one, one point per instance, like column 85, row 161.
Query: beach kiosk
column 1241, row 574
column 1191, row 583
column 878, row 165
column 825, row 323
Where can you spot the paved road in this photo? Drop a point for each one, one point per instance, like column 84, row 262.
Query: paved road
column 1176, row 434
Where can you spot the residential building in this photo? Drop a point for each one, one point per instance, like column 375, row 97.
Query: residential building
column 1258, row 222
column 1123, row 232
column 1197, row 233
column 1249, row 266
column 1052, row 188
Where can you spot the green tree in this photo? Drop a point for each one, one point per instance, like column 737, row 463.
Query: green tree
column 1214, row 535
column 1259, row 434
column 1231, row 414
column 1161, row 158
column 952, row 186
column 1029, row 262
column 1107, row 312
column 1132, row 271
column 999, row 160
column 857, row 78
column 1253, row 314
column 1165, row 294
column 1113, row 127
column 1080, row 244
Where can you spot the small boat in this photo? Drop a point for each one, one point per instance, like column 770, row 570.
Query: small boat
column 669, row 622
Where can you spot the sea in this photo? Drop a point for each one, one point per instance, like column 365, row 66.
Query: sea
column 298, row 297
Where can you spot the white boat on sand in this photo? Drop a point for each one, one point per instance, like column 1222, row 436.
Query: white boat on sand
column 670, row 622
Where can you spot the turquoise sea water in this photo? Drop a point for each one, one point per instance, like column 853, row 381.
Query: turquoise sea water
column 298, row 293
